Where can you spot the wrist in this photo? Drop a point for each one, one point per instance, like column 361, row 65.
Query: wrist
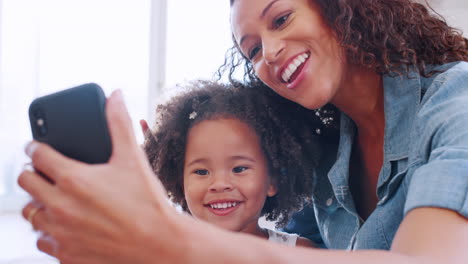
column 162, row 239
column 211, row 244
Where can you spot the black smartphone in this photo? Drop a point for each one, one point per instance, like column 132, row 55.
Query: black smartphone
column 73, row 121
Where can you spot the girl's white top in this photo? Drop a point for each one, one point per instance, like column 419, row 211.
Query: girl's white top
column 282, row 237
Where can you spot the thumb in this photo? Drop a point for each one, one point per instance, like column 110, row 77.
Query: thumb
column 120, row 126
column 144, row 127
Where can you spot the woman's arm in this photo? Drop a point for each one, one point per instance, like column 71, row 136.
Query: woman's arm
column 304, row 242
column 426, row 236
column 118, row 213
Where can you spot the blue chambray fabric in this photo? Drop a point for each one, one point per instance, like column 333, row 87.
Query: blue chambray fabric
column 425, row 163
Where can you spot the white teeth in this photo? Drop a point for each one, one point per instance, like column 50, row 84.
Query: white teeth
column 222, row 205
column 292, row 67
column 289, row 71
column 297, row 63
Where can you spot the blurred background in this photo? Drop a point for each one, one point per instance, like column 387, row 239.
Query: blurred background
column 143, row 47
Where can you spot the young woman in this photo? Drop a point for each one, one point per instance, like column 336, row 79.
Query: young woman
column 397, row 186
column 400, row 90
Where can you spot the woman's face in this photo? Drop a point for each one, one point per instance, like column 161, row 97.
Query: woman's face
column 291, row 49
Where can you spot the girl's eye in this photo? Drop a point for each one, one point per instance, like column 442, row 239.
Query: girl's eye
column 239, row 169
column 253, row 52
column 280, row 21
column 201, row 172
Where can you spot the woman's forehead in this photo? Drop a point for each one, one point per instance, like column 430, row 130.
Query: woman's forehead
column 247, row 13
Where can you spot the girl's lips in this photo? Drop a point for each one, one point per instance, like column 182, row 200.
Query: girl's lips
column 223, row 211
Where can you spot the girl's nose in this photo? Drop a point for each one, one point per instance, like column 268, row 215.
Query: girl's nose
column 221, row 183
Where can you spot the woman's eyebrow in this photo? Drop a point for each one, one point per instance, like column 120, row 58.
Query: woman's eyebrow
column 262, row 15
column 265, row 10
column 243, row 38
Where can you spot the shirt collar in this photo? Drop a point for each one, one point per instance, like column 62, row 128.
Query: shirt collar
column 401, row 101
column 402, row 96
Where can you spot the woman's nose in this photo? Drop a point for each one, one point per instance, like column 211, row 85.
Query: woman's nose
column 221, row 183
column 272, row 49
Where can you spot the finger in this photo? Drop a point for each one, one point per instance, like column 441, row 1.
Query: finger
column 41, row 221
column 48, row 245
column 48, row 161
column 144, row 127
column 120, row 126
column 30, row 206
column 41, row 190
column 71, row 247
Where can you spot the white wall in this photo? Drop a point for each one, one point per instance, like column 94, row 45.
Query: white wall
column 454, row 11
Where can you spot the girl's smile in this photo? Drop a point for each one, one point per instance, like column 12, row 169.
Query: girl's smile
column 223, row 207
column 226, row 180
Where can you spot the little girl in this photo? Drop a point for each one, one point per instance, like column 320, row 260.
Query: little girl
column 229, row 155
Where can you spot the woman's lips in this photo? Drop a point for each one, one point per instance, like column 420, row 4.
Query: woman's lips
column 301, row 73
column 296, row 73
column 293, row 66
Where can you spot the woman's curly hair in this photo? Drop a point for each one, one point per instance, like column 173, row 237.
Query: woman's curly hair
column 390, row 36
column 287, row 133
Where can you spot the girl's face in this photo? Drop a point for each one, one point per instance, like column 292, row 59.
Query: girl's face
column 226, row 179
column 290, row 47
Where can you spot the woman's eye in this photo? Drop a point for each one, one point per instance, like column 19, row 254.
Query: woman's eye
column 280, row 21
column 201, row 172
column 239, row 169
column 253, row 52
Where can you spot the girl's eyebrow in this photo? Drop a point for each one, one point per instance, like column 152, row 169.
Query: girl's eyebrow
column 237, row 157
column 240, row 157
column 202, row 160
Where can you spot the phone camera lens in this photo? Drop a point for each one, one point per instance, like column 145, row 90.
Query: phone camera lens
column 42, row 131
column 40, row 122
column 41, row 127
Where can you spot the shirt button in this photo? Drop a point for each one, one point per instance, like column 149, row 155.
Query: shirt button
column 329, row 201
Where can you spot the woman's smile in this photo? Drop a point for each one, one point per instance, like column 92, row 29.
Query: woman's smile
column 291, row 49
column 289, row 69
column 294, row 70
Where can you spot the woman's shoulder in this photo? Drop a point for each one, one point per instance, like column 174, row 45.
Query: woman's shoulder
column 451, row 66
column 442, row 108
column 450, row 74
column 448, row 81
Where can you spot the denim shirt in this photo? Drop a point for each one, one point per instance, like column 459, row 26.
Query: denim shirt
column 425, row 164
